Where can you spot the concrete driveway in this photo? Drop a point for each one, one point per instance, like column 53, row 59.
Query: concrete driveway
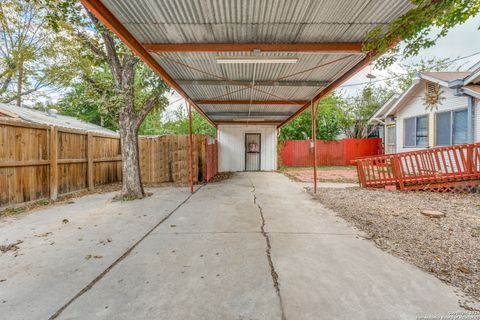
column 252, row 247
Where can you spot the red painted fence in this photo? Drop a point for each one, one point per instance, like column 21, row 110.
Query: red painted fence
column 436, row 169
column 211, row 158
column 297, row 153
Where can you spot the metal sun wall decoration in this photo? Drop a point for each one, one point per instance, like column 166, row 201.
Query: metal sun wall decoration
column 433, row 96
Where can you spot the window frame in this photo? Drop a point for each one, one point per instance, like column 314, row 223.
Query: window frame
column 415, row 130
column 451, row 112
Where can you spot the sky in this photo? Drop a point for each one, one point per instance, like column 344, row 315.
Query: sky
column 461, row 41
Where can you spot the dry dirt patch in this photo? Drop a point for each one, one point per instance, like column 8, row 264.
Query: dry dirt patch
column 448, row 247
column 23, row 208
column 221, row 176
column 345, row 174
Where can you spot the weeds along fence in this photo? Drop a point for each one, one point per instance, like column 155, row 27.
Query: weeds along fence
column 38, row 161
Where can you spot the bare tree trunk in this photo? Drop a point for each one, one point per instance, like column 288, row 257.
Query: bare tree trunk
column 132, row 187
column 19, row 85
column 123, row 72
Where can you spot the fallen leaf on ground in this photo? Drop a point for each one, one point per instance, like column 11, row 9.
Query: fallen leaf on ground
column 10, row 247
column 43, row 235
column 476, row 232
column 464, row 269
column 104, row 242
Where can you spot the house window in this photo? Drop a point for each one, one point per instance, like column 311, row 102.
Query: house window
column 451, row 127
column 415, row 133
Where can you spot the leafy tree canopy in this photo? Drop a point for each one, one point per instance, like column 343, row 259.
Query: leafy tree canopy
column 32, row 58
column 419, row 28
column 357, row 111
column 94, row 99
column 401, row 80
column 179, row 123
column 94, row 96
column 328, row 126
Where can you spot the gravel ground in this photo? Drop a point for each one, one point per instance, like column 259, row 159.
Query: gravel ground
column 448, row 247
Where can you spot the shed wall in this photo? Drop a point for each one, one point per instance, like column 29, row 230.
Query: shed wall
column 231, row 146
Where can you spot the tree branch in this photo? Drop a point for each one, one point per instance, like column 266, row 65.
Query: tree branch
column 111, row 52
column 5, row 84
column 39, row 85
column 141, row 114
column 96, row 50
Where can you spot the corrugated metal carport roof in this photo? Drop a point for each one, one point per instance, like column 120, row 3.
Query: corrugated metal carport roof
column 182, row 40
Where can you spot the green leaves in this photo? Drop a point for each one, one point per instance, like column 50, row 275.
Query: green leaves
column 31, row 56
column 328, row 124
column 178, row 123
column 402, row 80
column 419, row 28
column 338, row 115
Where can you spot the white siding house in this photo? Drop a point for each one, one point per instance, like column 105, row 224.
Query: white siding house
column 233, row 148
column 407, row 122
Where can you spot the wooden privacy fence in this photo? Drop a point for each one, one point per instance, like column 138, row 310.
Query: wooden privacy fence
column 211, row 159
column 298, row 153
column 438, row 169
column 166, row 158
column 38, row 161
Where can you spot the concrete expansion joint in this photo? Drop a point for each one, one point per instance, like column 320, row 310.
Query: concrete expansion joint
column 268, row 251
column 119, row 259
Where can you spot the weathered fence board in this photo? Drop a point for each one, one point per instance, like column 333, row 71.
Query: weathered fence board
column 211, row 159
column 25, row 152
column 39, row 161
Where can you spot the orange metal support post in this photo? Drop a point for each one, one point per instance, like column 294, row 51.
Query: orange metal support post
column 190, row 139
column 216, row 150
column 314, row 139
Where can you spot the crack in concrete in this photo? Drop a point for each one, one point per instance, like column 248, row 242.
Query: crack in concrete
column 119, row 259
column 268, row 251
column 208, row 232
column 255, row 232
